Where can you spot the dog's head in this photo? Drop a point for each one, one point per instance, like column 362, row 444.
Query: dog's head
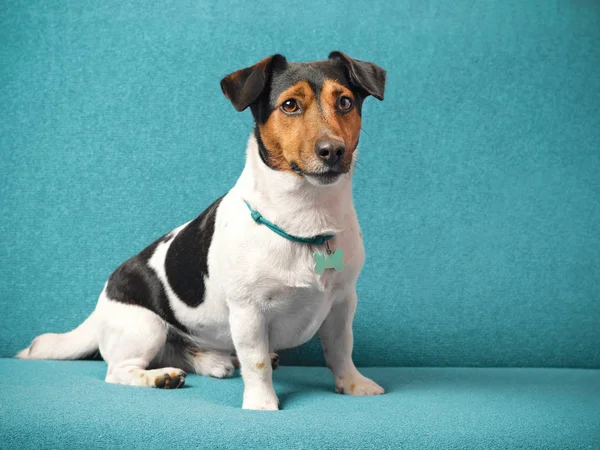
column 307, row 115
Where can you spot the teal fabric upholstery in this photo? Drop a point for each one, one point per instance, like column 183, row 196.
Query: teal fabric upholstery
column 478, row 190
column 70, row 406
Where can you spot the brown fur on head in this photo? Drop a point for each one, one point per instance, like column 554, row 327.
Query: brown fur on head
column 308, row 115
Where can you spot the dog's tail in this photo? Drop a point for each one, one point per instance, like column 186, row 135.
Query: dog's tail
column 75, row 344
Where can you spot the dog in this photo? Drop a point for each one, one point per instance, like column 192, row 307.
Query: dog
column 266, row 266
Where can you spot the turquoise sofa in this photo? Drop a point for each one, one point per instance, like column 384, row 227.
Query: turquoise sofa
column 478, row 191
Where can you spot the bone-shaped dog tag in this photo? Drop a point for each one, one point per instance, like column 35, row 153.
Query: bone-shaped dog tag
column 332, row 261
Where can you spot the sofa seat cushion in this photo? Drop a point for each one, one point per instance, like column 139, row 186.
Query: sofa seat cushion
column 67, row 404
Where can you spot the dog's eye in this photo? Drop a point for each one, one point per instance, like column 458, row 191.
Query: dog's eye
column 290, row 106
column 345, row 103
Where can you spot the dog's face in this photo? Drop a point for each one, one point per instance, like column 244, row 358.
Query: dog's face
column 308, row 115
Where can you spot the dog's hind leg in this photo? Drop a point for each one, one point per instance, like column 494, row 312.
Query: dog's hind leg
column 130, row 337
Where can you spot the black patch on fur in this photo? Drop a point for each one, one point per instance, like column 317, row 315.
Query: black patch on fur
column 176, row 339
column 135, row 283
column 294, row 166
column 262, row 150
column 186, row 262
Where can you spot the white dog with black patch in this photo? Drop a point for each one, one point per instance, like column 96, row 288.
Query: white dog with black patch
column 266, row 266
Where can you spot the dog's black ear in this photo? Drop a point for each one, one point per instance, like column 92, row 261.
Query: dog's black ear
column 366, row 76
column 243, row 87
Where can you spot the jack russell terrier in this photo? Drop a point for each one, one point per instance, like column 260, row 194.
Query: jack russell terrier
column 266, row 266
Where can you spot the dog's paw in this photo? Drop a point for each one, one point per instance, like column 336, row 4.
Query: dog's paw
column 260, row 399
column 221, row 369
column 167, row 378
column 356, row 384
column 274, row 360
column 213, row 364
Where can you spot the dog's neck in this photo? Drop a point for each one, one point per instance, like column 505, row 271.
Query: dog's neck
column 292, row 202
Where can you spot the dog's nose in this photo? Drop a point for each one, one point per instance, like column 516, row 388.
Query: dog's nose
column 330, row 151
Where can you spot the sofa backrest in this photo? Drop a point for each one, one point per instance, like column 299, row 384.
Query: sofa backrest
column 478, row 187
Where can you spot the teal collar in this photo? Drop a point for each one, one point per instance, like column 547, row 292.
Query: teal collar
column 315, row 240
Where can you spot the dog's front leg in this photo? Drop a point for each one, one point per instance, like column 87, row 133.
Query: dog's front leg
column 337, row 341
column 250, row 333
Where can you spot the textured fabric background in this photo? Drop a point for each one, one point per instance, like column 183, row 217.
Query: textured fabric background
column 478, row 188
column 68, row 405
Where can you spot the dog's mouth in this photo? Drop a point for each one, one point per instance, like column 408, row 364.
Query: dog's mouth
column 318, row 178
column 324, row 178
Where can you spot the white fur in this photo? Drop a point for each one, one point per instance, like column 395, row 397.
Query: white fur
column 262, row 294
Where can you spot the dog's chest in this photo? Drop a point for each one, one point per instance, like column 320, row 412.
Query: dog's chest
column 295, row 313
column 297, row 300
column 251, row 266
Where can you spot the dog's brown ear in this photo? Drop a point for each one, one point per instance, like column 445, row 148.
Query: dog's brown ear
column 243, row 87
column 366, row 76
